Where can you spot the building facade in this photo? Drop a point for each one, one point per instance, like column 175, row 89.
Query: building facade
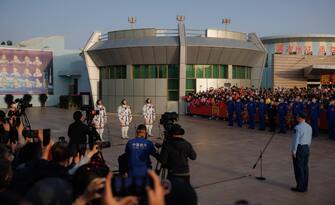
column 298, row 60
column 165, row 64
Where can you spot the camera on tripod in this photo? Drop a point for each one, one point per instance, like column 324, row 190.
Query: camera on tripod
column 22, row 104
column 168, row 119
column 90, row 112
column 94, row 137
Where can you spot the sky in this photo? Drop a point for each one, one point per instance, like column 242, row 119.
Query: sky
column 77, row 19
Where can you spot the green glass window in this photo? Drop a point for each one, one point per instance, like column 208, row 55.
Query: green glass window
column 111, row 72
column 144, row 71
column 118, row 72
column 190, row 84
column 208, row 71
column 190, row 71
column 102, row 73
column 223, row 71
column 136, row 71
column 162, row 71
column 199, row 72
column 152, row 71
column 173, row 71
column 216, row 71
column 173, row 95
column 173, row 84
column 241, row 72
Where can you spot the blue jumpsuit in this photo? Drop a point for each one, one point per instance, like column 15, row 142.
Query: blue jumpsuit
column 297, row 107
column 262, row 110
column 314, row 114
column 138, row 151
column 239, row 109
column 251, row 107
column 331, row 121
column 282, row 112
column 231, row 108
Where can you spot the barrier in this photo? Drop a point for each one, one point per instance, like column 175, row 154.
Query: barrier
column 220, row 110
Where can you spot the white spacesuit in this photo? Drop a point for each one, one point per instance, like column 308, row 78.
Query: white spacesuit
column 100, row 119
column 149, row 115
column 125, row 118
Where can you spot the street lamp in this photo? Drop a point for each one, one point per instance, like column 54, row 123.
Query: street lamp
column 226, row 22
column 132, row 21
column 180, row 18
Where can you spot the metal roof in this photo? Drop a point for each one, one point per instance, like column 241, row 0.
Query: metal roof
column 147, row 41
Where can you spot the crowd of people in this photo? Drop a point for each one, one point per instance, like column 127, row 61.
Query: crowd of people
column 275, row 108
column 72, row 170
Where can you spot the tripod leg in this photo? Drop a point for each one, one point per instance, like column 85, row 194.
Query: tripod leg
column 261, row 167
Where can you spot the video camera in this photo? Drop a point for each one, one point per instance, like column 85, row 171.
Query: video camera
column 167, row 120
column 94, row 137
column 90, row 112
column 22, row 104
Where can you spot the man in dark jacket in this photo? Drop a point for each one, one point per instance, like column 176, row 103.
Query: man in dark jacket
column 78, row 133
column 175, row 154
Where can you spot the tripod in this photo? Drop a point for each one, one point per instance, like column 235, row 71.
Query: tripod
column 260, row 158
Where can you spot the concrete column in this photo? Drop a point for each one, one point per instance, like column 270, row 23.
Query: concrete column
column 182, row 66
column 129, row 71
column 230, row 71
column 92, row 69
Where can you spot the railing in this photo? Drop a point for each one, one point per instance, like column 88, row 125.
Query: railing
column 167, row 32
column 189, row 33
column 104, row 37
column 196, row 33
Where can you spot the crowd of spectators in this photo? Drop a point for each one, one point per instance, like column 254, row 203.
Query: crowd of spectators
column 33, row 171
column 289, row 95
column 278, row 106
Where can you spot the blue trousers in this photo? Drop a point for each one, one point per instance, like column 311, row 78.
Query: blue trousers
column 231, row 118
column 282, row 124
column 239, row 119
column 262, row 122
column 300, row 165
column 315, row 126
column 251, row 121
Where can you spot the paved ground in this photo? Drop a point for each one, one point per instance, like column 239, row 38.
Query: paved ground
column 222, row 173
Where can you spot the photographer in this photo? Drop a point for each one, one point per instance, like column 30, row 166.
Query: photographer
column 175, row 154
column 78, row 133
column 4, row 128
column 14, row 122
column 138, row 151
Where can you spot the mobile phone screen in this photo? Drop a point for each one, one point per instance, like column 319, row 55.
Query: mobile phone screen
column 46, row 137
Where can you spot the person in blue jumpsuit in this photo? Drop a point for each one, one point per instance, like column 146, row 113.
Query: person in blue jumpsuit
column 138, row 151
column 262, row 110
column 238, row 110
column 301, row 143
column 298, row 106
column 331, row 119
column 251, row 107
column 282, row 112
column 231, row 108
column 314, row 114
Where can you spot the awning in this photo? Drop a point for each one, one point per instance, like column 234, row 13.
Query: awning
column 69, row 74
column 317, row 70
